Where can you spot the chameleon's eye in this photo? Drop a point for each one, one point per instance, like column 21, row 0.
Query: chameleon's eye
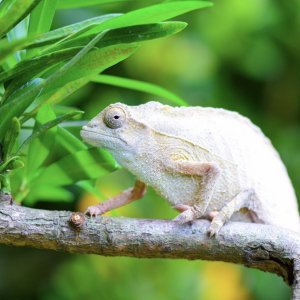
column 114, row 117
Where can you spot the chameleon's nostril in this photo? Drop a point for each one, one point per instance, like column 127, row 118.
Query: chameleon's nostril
column 91, row 125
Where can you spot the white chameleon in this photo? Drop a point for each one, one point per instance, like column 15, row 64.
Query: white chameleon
column 207, row 162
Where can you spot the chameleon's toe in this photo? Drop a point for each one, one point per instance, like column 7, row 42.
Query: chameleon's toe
column 215, row 226
column 184, row 217
column 94, row 211
column 212, row 231
column 182, row 207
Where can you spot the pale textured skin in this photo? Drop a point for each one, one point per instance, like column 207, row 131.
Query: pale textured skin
column 154, row 140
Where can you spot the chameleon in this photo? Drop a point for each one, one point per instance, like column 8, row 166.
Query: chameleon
column 208, row 163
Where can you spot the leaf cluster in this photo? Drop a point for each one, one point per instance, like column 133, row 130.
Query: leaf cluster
column 40, row 68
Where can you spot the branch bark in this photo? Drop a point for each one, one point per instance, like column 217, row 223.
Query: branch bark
column 264, row 247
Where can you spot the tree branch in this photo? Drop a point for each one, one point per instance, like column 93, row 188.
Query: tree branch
column 264, row 247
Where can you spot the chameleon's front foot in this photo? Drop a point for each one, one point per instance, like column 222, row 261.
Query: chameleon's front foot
column 95, row 210
column 184, row 217
column 187, row 213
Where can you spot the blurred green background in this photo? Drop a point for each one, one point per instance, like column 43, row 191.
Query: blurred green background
column 239, row 55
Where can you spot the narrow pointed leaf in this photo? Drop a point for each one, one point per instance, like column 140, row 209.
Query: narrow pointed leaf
column 67, row 4
column 68, row 141
column 7, row 48
column 48, row 192
column 15, row 107
column 139, row 86
column 62, row 93
column 43, row 128
column 94, row 63
column 151, row 14
column 11, row 14
column 36, row 65
column 79, row 66
column 65, row 143
column 15, row 89
column 119, row 36
column 126, row 35
column 60, row 33
column 41, row 17
column 82, row 165
column 40, row 147
column 10, row 138
column 18, row 32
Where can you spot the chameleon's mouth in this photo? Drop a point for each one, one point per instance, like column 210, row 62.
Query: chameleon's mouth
column 98, row 138
column 87, row 133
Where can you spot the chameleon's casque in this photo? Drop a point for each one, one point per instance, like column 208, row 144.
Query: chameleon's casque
column 206, row 162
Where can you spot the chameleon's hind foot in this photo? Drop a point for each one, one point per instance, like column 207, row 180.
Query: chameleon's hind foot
column 217, row 223
column 243, row 199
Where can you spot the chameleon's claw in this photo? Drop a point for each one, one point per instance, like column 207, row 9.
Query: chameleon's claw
column 212, row 231
column 94, row 210
column 215, row 226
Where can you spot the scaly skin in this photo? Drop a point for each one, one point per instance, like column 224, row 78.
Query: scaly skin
column 208, row 163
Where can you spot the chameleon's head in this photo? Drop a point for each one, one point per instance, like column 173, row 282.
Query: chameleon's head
column 117, row 129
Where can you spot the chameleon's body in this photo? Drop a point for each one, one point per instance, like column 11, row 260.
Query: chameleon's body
column 206, row 162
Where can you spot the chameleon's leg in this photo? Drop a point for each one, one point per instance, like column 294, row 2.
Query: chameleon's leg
column 243, row 200
column 125, row 197
column 209, row 173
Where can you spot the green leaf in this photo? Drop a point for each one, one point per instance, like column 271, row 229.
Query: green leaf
column 17, row 33
column 8, row 47
column 11, row 12
column 14, row 89
column 91, row 64
column 40, row 147
column 98, row 61
column 50, row 147
column 95, row 62
column 44, row 127
column 119, row 36
column 83, row 64
column 63, row 32
column 15, row 107
column 61, row 93
column 126, row 35
column 48, row 192
column 41, row 20
column 85, row 164
column 89, row 187
column 67, row 4
column 68, row 141
column 36, row 65
column 10, row 138
column 5, row 165
column 41, row 17
column 65, row 143
column 139, row 86
column 151, row 14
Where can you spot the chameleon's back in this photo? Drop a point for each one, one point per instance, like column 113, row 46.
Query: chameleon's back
column 259, row 167
column 250, row 160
